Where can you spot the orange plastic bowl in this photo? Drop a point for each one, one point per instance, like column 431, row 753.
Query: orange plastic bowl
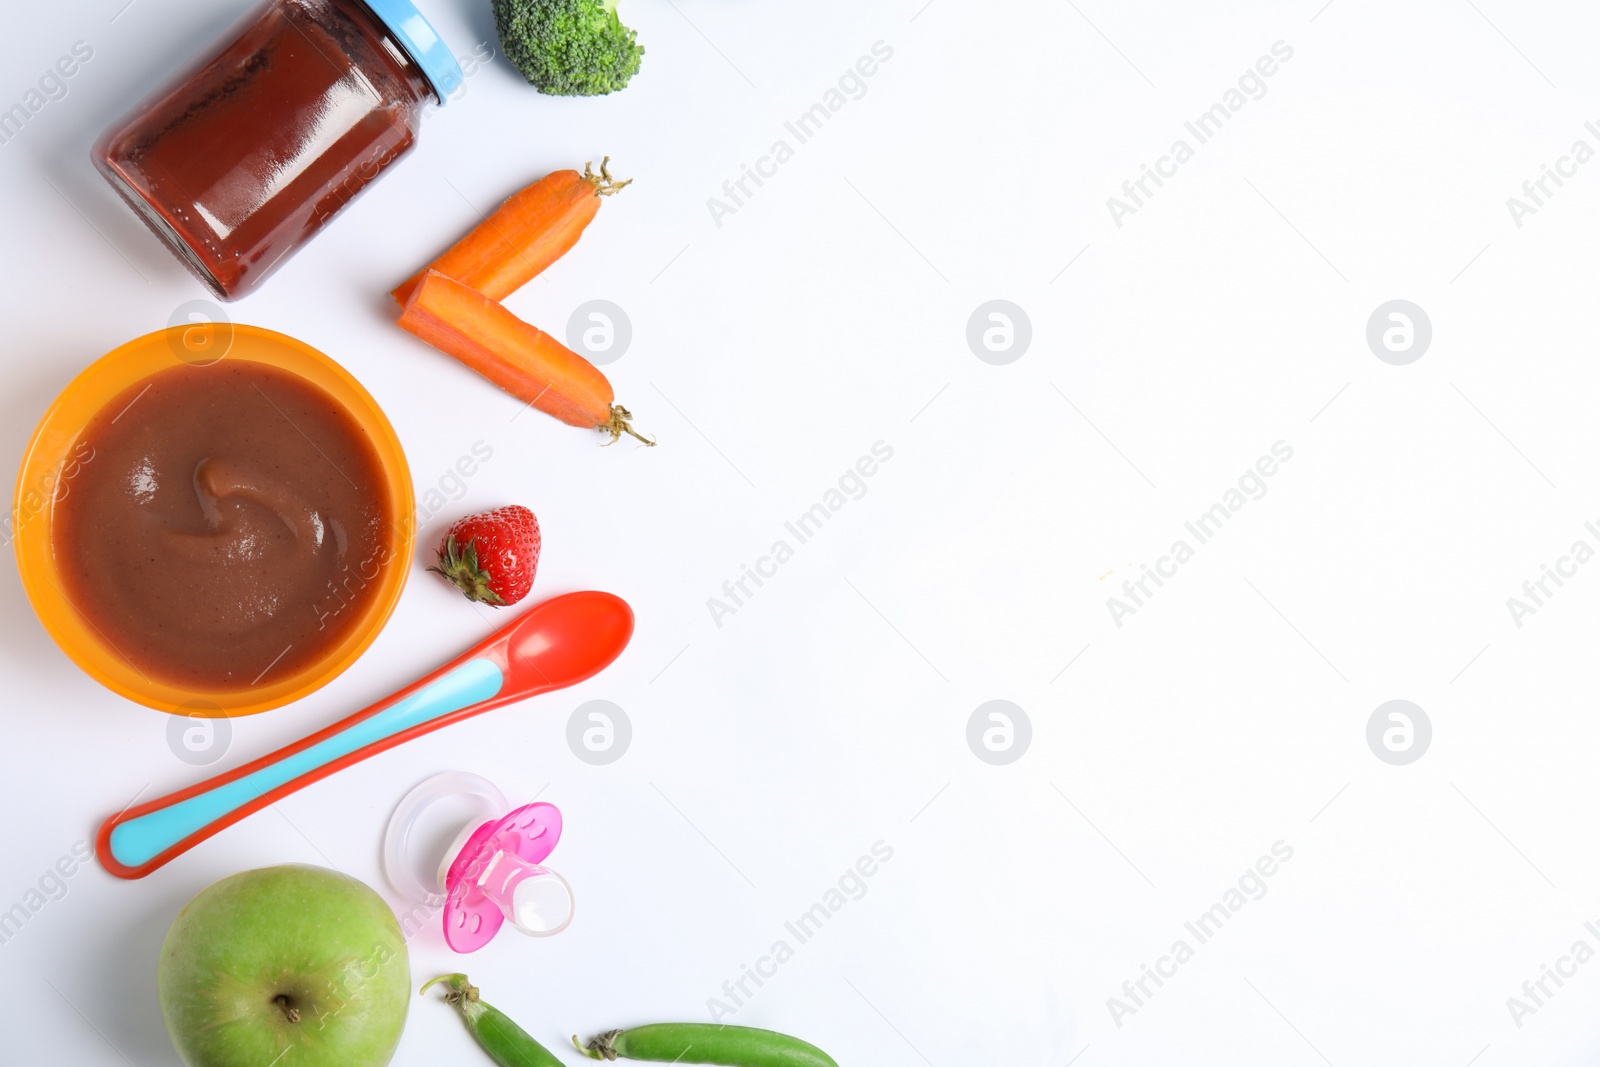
column 48, row 466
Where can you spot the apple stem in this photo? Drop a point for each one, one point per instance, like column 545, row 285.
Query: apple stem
column 290, row 1012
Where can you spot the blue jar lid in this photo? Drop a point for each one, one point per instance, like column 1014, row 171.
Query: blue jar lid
column 422, row 43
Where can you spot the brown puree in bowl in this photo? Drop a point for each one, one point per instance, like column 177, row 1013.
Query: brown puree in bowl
column 230, row 527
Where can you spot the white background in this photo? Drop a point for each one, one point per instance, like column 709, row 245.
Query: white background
column 830, row 711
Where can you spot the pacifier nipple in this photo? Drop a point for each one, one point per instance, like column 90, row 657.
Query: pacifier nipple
column 534, row 899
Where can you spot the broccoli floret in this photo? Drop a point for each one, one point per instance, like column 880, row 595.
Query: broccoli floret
column 568, row 47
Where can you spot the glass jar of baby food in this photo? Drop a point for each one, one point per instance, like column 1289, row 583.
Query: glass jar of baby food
column 237, row 163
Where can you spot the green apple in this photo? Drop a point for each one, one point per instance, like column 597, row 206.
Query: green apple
column 285, row 958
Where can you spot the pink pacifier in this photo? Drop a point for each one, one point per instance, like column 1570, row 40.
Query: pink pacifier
column 453, row 844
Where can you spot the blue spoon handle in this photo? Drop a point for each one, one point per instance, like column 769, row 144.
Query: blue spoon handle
column 135, row 843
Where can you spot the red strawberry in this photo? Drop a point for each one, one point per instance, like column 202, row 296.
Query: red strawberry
column 491, row 557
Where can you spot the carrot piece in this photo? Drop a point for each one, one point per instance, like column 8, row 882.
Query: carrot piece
column 528, row 232
column 521, row 359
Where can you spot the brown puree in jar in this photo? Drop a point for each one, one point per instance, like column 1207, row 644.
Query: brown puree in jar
column 230, row 527
column 259, row 145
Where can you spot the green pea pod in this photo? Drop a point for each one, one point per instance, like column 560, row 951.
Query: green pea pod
column 728, row 1046
column 506, row 1043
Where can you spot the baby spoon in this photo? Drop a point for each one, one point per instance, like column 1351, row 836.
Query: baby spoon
column 558, row 643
